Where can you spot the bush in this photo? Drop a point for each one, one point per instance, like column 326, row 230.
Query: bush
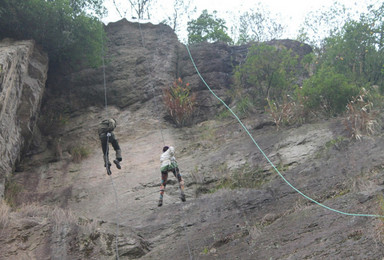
column 180, row 103
column 328, row 91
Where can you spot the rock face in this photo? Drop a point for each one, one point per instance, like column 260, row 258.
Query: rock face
column 23, row 72
column 143, row 59
column 238, row 206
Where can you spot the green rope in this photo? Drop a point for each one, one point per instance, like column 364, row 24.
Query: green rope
column 266, row 157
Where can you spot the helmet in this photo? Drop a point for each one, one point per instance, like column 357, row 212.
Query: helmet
column 165, row 148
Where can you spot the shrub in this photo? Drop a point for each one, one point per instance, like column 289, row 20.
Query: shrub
column 180, row 102
column 328, row 91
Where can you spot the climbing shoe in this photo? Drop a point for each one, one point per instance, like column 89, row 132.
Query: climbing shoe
column 109, row 169
column 160, row 203
column 107, row 166
column 117, row 164
column 182, row 197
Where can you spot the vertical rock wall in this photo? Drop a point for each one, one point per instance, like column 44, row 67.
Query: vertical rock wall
column 23, row 72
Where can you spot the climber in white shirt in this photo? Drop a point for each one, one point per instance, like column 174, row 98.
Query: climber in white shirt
column 169, row 164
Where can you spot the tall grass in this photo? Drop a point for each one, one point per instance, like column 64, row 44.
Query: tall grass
column 180, row 102
column 360, row 116
column 4, row 213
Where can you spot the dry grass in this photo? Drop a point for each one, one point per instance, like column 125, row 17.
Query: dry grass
column 180, row 103
column 58, row 217
column 288, row 112
column 380, row 222
column 360, row 117
column 4, row 213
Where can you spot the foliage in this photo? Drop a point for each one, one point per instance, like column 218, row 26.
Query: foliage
column 268, row 71
column 360, row 116
column 323, row 22
column 67, row 30
column 258, row 25
column 327, row 91
column 207, row 28
column 358, row 49
column 180, row 102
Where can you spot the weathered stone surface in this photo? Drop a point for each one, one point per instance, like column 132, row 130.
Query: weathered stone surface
column 263, row 219
column 23, row 72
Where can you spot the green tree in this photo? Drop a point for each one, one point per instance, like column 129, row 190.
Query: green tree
column 69, row 31
column 268, row 71
column 207, row 28
column 357, row 50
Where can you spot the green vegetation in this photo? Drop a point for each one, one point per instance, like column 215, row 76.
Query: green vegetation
column 69, row 31
column 79, row 153
column 344, row 76
column 268, row 72
column 207, row 28
column 12, row 190
column 328, row 91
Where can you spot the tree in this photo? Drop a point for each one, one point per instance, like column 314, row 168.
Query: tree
column 268, row 71
column 207, row 28
column 322, row 23
column 181, row 12
column 68, row 31
column 258, row 25
column 140, row 8
column 357, row 50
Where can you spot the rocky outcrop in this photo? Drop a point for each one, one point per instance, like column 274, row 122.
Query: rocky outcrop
column 143, row 59
column 238, row 206
column 23, row 72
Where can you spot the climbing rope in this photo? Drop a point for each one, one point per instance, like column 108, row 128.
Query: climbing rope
column 106, row 159
column 162, row 136
column 266, row 157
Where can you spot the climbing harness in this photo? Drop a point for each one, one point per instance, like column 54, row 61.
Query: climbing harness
column 266, row 157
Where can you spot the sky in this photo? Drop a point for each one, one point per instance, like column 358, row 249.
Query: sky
column 290, row 13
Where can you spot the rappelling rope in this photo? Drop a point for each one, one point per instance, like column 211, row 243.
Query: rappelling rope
column 106, row 159
column 162, row 136
column 266, row 157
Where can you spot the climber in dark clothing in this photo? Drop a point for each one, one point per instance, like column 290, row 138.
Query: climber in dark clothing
column 106, row 136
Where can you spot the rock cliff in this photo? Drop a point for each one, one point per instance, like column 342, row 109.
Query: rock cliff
column 23, row 73
column 238, row 207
